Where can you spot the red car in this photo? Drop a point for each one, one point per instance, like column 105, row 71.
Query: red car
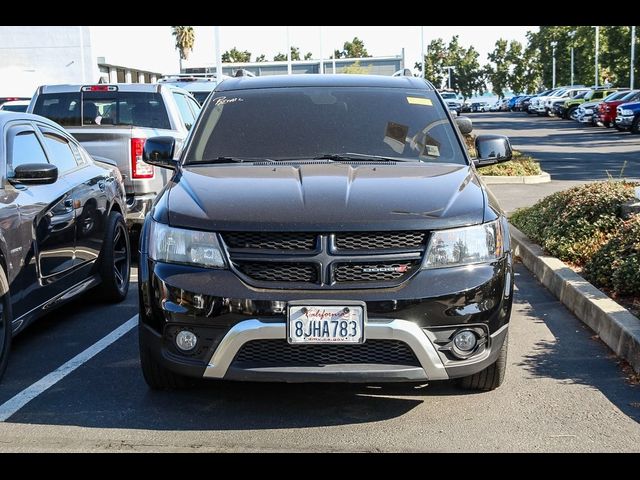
column 606, row 111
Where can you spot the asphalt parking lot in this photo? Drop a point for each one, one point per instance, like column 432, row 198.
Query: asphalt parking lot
column 564, row 390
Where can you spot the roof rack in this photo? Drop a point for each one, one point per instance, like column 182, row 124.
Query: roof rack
column 191, row 77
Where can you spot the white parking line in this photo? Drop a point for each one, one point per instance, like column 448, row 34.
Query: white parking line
column 14, row 404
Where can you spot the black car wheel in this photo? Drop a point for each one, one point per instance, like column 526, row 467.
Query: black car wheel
column 570, row 112
column 116, row 259
column 491, row 377
column 5, row 322
column 635, row 125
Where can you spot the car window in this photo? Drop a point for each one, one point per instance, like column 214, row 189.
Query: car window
column 200, row 96
column 194, row 106
column 26, row 148
column 141, row 109
column 297, row 122
column 62, row 108
column 60, row 152
column 185, row 112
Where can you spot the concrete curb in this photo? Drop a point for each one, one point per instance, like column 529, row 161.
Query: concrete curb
column 615, row 325
column 544, row 177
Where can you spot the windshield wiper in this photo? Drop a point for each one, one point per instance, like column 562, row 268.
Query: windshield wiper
column 347, row 157
column 235, row 160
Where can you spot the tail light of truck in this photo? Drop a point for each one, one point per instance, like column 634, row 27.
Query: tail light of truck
column 139, row 169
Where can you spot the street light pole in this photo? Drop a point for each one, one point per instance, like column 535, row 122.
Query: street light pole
column 597, row 49
column 553, row 81
column 288, row 53
column 321, row 70
column 633, row 55
column 216, row 35
column 424, row 73
column 571, row 66
column 449, row 67
column 572, row 35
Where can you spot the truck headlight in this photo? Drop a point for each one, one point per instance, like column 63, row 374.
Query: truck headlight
column 626, row 112
column 465, row 246
column 187, row 247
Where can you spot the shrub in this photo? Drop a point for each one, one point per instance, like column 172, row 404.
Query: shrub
column 617, row 264
column 574, row 224
column 520, row 165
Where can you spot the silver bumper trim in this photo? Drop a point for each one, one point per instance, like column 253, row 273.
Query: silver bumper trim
column 254, row 329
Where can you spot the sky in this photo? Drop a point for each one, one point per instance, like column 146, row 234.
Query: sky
column 153, row 47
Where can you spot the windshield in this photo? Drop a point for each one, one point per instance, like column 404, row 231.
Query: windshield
column 307, row 122
column 448, row 95
column 616, row 96
column 629, row 96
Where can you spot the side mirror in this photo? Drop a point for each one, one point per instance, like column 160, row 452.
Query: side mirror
column 158, row 151
column 492, row 149
column 465, row 125
column 35, row 174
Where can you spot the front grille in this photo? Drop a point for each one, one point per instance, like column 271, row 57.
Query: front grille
column 271, row 240
column 325, row 260
column 379, row 240
column 280, row 272
column 372, row 272
column 279, row 353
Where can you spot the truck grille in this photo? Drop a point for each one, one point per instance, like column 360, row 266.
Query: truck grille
column 279, row 353
column 270, row 240
column 280, row 272
column 379, row 240
column 306, row 260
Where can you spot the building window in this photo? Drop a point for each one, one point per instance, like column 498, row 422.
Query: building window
column 120, row 72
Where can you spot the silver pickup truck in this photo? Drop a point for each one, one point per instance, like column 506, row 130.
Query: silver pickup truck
column 113, row 122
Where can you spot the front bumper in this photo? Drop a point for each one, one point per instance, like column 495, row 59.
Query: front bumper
column 586, row 118
column 624, row 121
column 225, row 313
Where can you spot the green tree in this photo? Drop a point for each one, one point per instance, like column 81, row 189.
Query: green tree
column 295, row 55
column 236, row 56
column 498, row 70
column 280, row 57
column 356, row 68
column 434, row 61
column 261, row 58
column 308, row 56
column 352, row 49
column 185, row 39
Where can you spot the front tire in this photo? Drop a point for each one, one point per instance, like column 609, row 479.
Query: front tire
column 115, row 264
column 491, row 377
column 6, row 320
column 635, row 125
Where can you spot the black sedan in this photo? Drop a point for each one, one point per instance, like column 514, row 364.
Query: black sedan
column 61, row 226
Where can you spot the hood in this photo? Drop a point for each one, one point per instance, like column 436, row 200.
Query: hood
column 631, row 105
column 321, row 197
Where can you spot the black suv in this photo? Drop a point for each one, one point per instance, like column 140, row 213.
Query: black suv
column 325, row 228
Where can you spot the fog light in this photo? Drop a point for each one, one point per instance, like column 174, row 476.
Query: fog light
column 186, row 340
column 465, row 341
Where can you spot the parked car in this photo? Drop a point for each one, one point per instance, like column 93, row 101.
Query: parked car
column 277, row 253
column 198, row 85
column 495, row 107
column 11, row 99
column 520, row 102
column 533, row 104
column 607, row 109
column 453, row 100
column 62, row 229
column 596, row 94
column 15, row 106
column 113, row 121
column 560, row 106
column 480, row 106
column 562, row 95
column 628, row 117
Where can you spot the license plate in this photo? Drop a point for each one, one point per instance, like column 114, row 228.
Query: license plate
column 325, row 323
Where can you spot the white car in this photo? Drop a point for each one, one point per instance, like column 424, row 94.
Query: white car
column 564, row 94
column 15, row 106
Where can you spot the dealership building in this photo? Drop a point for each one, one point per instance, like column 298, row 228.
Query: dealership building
column 37, row 55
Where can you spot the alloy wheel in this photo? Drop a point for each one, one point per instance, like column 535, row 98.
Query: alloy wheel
column 121, row 257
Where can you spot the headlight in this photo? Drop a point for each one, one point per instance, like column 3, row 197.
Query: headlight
column 625, row 111
column 189, row 247
column 465, row 246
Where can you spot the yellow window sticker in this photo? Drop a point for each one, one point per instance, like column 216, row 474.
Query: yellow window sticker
column 419, row 101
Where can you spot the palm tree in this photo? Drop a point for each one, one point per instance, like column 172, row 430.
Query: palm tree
column 185, row 38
